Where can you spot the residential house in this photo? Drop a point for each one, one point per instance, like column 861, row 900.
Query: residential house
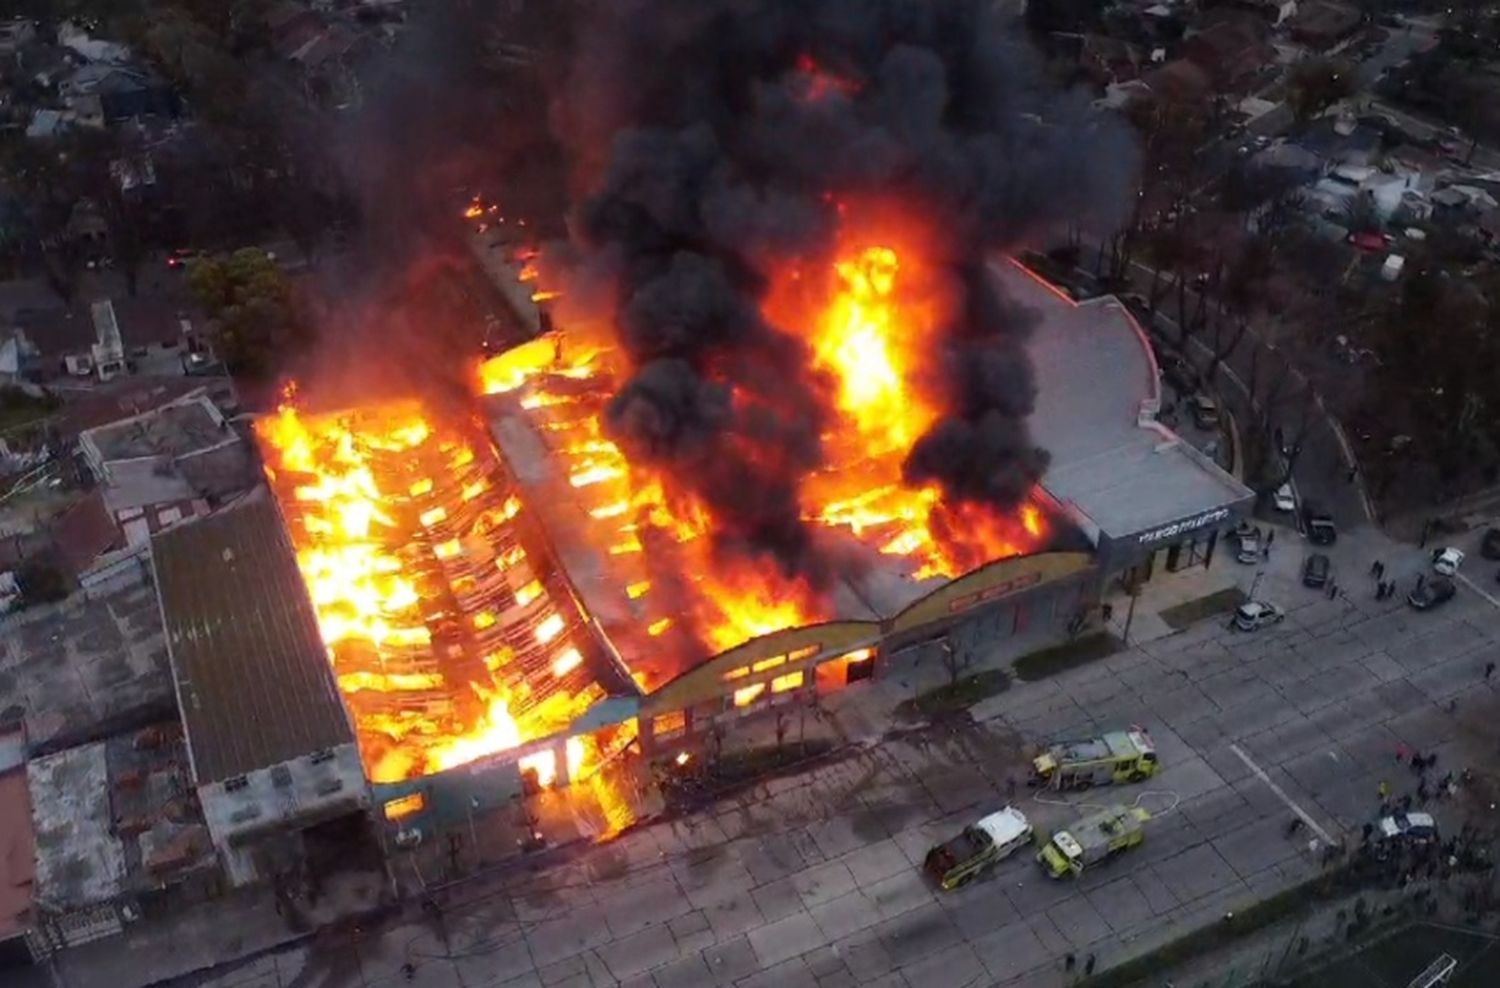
column 177, row 461
column 1179, row 81
column 1232, row 49
column 16, row 34
column 100, row 94
column 45, row 124
column 1109, row 60
column 1323, row 24
column 158, row 335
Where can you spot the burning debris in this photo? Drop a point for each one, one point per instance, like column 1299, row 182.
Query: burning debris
column 788, row 213
column 447, row 641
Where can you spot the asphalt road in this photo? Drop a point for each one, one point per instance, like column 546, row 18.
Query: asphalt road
column 813, row 881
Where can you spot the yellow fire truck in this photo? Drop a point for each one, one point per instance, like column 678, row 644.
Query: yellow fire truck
column 1097, row 837
column 1118, row 756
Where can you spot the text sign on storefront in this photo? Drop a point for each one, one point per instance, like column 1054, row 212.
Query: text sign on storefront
column 991, row 593
column 1183, row 527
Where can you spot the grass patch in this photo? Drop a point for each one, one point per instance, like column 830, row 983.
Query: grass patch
column 954, row 697
column 1190, row 613
column 1069, row 655
column 17, row 408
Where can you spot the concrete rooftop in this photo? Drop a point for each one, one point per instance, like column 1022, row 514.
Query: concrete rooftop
column 90, row 665
column 1098, row 396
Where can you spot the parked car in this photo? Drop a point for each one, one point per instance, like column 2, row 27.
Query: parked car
column 1205, row 411
column 1249, row 548
column 1489, row 546
column 1432, row 593
column 1284, row 499
column 1319, row 524
column 182, row 257
column 1445, row 562
column 1255, row 614
column 1409, row 828
column 1316, row 570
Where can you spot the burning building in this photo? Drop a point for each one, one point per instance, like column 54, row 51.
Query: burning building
column 797, row 413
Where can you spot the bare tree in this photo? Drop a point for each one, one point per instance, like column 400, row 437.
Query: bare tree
column 955, row 661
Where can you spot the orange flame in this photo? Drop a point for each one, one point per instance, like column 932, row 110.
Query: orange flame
column 364, row 494
column 870, row 317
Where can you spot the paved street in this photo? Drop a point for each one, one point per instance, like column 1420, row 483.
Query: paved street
column 813, row 880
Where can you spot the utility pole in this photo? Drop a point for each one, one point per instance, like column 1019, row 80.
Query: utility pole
column 1134, row 590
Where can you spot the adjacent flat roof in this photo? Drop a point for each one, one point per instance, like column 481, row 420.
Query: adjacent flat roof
column 1098, row 393
column 114, row 817
column 252, row 673
column 80, row 860
column 88, row 666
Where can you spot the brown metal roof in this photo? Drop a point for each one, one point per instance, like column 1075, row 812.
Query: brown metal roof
column 252, row 674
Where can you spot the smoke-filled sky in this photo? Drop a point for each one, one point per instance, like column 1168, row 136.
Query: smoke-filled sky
column 711, row 140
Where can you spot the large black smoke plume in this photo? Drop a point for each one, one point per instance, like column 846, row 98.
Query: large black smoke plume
column 712, row 136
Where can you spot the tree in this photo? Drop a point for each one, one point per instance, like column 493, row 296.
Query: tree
column 251, row 303
column 955, row 660
column 41, row 581
column 1317, row 83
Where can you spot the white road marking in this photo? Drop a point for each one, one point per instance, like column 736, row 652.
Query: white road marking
column 1479, row 590
column 1302, row 814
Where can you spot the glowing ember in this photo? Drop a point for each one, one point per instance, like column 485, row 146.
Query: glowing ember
column 364, row 494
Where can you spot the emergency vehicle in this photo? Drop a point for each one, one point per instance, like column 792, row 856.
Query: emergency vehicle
column 1118, row 756
column 994, row 838
column 1097, row 837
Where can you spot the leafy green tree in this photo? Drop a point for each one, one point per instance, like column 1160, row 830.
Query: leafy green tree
column 253, row 308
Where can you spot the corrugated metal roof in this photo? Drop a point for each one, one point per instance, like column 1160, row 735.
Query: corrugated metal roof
column 252, row 674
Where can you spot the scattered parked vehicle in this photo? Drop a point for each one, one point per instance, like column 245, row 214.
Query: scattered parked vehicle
column 967, row 856
column 181, row 257
column 1255, row 614
column 1284, row 499
column 1445, row 562
column 1409, row 828
column 1489, row 547
column 1319, row 524
column 1249, row 548
column 1316, row 570
column 1432, row 594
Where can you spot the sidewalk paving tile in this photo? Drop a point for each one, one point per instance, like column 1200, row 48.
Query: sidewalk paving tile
column 958, row 966
column 639, row 952
column 1011, row 950
column 734, row 916
column 1121, row 904
column 915, row 934
column 873, row 862
column 786, row 938
column 1079, row 921
column 899, row 893
column 686, row 972
column 777, row 900
column 823, row 883
column 729, row 961
column 845, row 915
